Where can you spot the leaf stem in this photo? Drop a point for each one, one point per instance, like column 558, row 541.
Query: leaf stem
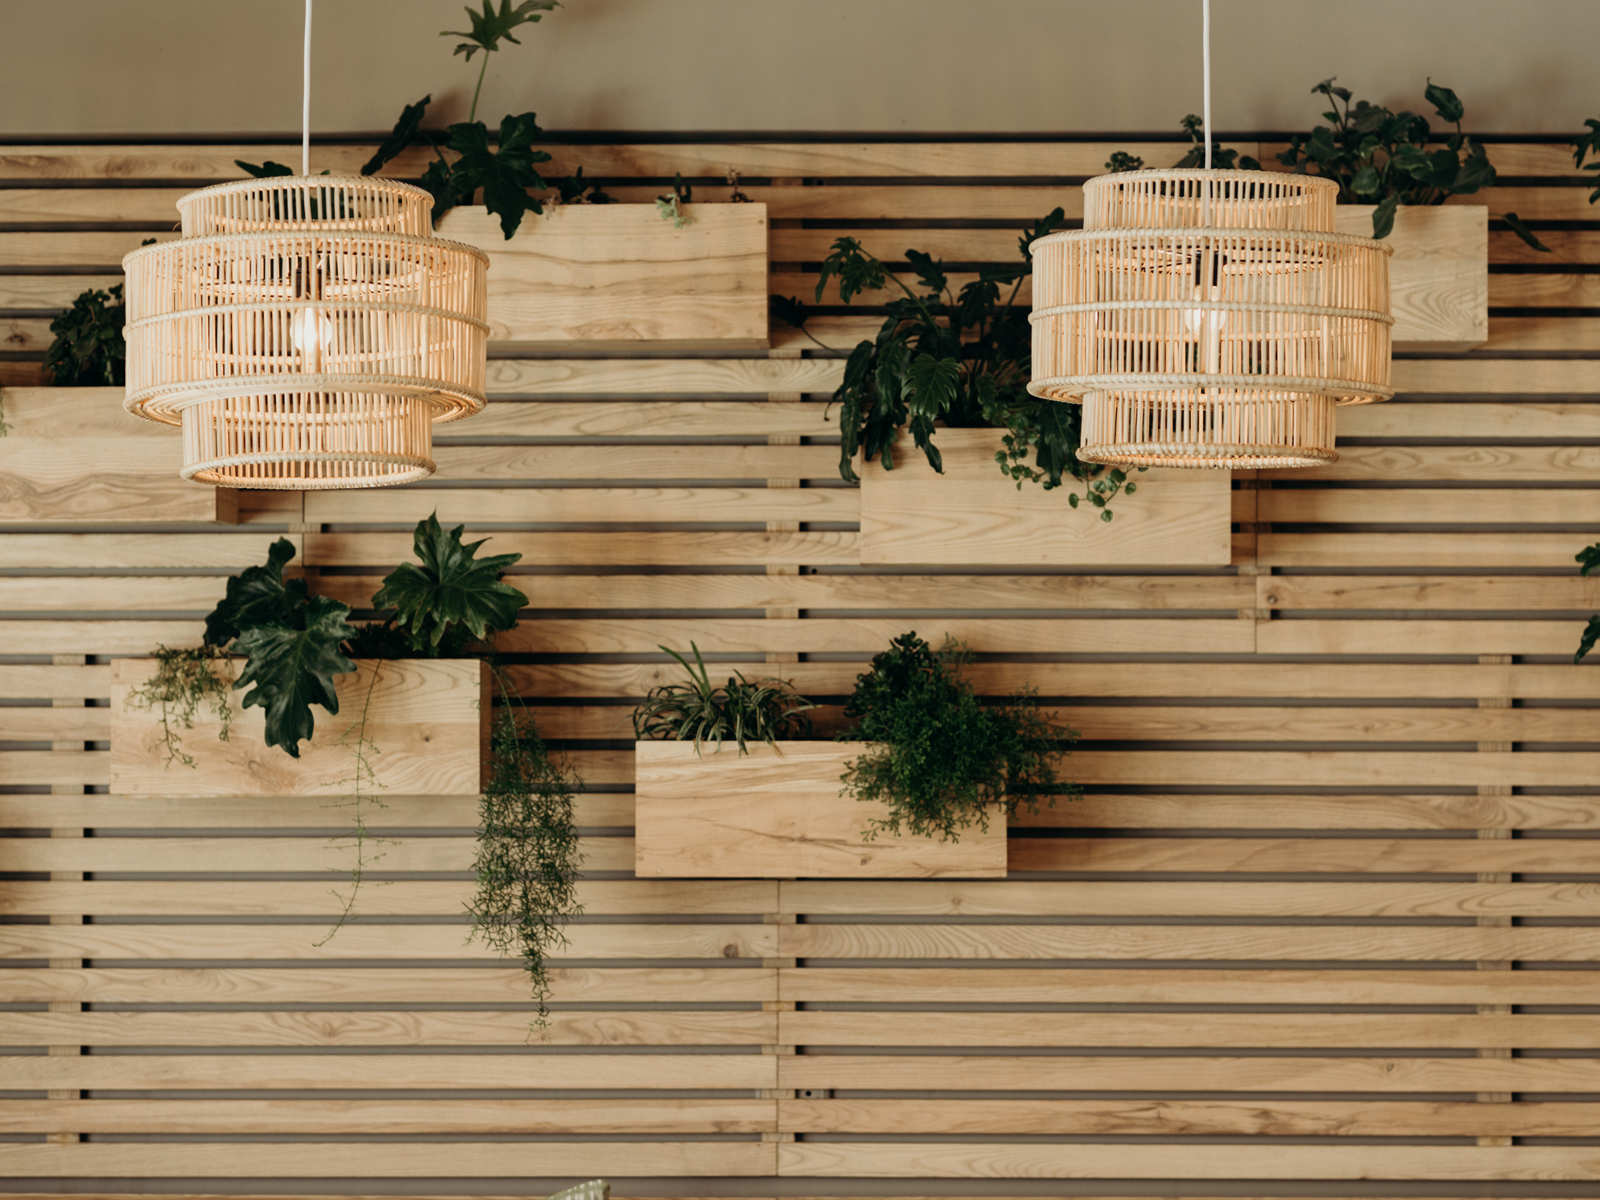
column 472, row 113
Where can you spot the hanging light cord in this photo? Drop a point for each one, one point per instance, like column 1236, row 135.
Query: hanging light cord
column 305, row 99
column 1205, row 63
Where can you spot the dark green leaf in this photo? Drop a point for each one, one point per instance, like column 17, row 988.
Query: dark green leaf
column 265, row 170
column 401, row 137
column 491, row 27
column 452, row 597
column 506, row 173
column 257, row 596
column 1383, row 215
column 1517, row 226
column 288, row 669
column 87, row 348
column 927, row 270
column 1444, row 102
column 791, row 310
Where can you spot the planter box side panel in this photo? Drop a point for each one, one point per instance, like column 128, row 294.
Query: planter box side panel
column 425, row 719
column 72, row 455
column 1438, row 274
column 780, row 814
column 621, row 274
column 973, row 514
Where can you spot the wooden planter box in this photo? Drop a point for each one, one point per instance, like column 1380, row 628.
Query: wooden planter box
column 72, row 455
column 616, row 275
column 1438, row 274
column 428, row 720
column 974, row 515
column 779, row 813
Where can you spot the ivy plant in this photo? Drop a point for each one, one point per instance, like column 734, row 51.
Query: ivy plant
column 470, row 161
column 696, row 710
column 960, row 358
column 940, row 758
column 1375, row 155
column 1387, row 158
column 87, row 349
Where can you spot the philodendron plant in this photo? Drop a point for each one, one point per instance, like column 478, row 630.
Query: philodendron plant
column 296, row 644
column 469, row 160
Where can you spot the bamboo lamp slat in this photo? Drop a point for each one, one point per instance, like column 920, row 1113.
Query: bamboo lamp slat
column 1210, row 319
column 306, row 332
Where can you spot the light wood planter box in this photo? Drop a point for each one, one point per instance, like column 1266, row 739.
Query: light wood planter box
column 974, row 515
column 616, row 275
column 780, row 813
column 427, row 718
column 1438, row 274
column 72, row 455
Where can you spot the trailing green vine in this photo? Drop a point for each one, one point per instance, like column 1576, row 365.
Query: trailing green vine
column 186, row 680
column 527, row 857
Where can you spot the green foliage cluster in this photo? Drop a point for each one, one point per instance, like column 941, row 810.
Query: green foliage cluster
column 940, row 758
column 696, row 710
column 527, row 853
column 670, row 205
column 1377, row 156
column 468, row 161
column 961, row 358
column 88, row 350
column 296, row 644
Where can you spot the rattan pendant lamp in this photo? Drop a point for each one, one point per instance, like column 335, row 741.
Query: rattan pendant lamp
column 305, row 332
column 1210, row 318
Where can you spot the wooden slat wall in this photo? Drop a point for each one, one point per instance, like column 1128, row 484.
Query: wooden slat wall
column 1335, row 790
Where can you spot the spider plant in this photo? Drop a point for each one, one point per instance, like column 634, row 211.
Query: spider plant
column 745, row 711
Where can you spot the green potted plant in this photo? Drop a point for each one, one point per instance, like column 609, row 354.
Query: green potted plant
column 938, row 429
column 413, row 690
column 70, row 454
column 567, row 263
column 1394, row 173
column 920, row 786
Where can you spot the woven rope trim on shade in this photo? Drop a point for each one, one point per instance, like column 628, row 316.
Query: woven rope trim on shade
column 1071, row 389
column 1194, row 234
column 168, row 404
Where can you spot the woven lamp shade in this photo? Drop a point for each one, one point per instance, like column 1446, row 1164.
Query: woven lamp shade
column 1210, row 319
column 306, row 332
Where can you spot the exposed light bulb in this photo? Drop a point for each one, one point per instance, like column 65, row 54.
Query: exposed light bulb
column 311, row 333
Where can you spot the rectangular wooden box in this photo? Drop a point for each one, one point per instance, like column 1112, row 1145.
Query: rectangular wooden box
column 973, row 515
column 615, row 275
column 428, row 720
column 72, row 455
column 780, row 813
column 1438, row 274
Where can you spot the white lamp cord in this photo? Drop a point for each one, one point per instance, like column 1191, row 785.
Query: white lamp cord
column 1205, row 63
column 305, row 99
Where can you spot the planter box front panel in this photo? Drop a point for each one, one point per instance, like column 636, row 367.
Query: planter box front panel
column 781, row 814
column 427, row 719
column 1438, row 275
column 620, row 274
column 972, row 514
column 72, row 455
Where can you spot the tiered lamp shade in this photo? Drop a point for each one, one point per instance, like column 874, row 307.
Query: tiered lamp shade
column 1210, row 319
column 306, row 332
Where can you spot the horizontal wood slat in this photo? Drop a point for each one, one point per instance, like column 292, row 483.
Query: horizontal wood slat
column 1335, row 771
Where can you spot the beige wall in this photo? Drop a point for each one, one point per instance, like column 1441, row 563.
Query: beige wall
column 896, row 66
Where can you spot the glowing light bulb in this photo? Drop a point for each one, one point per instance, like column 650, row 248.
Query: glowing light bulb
column 311, row 333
